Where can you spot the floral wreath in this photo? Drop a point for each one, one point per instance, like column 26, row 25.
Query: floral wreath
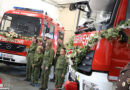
column 78, row 54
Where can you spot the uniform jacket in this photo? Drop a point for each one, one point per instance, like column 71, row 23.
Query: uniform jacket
column 48, row 58
column 32, row 48
column 123, row 82
column 61, row 64
column 38, row 58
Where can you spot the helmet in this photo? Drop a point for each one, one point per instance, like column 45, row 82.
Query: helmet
column 49, row 36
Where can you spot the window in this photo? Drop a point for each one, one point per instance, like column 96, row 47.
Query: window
column 128, row 11
column 22, row 25
column 6, row 23
column 45, row 26
column 51, row 30
column 102, row 11
column 48, row 28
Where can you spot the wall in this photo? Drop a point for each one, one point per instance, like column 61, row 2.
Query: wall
column 69, row 20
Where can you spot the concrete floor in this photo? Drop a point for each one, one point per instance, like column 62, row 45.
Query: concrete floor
column 13, row 77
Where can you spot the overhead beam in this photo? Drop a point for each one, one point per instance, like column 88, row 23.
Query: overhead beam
column 52, row 2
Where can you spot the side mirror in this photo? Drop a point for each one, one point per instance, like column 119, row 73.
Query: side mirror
column 88, row 14
column 81, row 6
column 73, row 6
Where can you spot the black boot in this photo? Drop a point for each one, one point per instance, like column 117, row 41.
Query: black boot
column 27, row 79
column 42, row 89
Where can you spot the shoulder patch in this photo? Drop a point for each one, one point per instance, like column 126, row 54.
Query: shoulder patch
column 123, row 84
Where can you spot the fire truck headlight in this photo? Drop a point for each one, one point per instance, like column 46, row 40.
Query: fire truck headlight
column 27, row 49
column 87, row 57
column 86, row 63
column 83, row 64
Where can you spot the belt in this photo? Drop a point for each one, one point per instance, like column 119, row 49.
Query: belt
column 59, row 69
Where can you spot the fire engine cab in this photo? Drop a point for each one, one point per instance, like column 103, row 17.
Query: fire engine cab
column 18, row 26
column 102, row 64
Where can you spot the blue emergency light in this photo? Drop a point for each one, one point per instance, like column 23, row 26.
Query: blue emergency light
column 28, row 9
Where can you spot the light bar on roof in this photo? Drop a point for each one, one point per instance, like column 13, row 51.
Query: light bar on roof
column 28, row 9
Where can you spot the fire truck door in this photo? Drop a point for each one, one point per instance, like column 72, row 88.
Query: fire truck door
column 121, row 50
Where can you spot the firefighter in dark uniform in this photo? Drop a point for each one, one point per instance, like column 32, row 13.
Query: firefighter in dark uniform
column 38, row 58
column 60, row 70
column 46, row 65
column 123, row 82
column 30, row 57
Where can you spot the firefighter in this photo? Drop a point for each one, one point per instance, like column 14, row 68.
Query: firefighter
column 38, row 58
column 59, row 46
column 49, row 37
column 41, row 43
column 60, row 69
column 123, row 82
column 46, row 65
column 30, row 58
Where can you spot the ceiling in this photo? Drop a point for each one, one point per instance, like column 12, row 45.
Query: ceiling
column 66, row 1
column 62, row 3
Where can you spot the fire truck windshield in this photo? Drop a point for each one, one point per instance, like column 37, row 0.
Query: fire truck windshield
column 101, row 12
column 22, row 25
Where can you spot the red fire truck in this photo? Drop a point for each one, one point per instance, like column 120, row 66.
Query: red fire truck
column 103, row 63
column 25, row 23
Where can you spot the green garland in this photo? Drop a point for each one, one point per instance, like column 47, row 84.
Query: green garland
column 128, row 45
column 12, row 35
column 77, row 55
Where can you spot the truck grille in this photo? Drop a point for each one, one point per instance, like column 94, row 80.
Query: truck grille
column 12, row 47
column 7, row 59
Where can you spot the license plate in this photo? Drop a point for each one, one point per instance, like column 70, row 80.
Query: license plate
column 1, row 85
column 73, row 76
column 6, row 55
column 0, row 54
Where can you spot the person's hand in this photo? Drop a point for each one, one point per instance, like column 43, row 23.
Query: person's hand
column 62, row 75
column 46, row 68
